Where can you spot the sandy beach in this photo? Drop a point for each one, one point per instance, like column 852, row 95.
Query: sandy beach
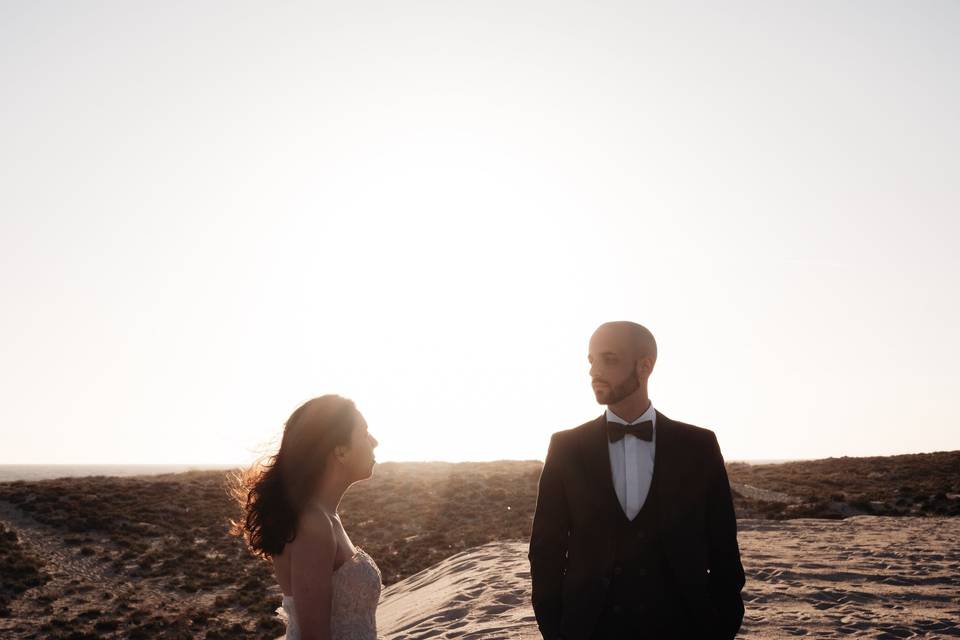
column 150, row 557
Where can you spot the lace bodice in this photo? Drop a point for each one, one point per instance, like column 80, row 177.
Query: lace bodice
column 353, row 608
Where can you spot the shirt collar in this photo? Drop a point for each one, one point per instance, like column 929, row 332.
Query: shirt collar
column 650, row 414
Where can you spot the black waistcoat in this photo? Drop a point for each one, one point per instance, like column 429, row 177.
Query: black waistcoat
column 638, row 601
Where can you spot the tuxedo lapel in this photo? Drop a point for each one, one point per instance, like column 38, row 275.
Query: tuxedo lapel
column 598, row 461
column 666, row 446
column 664, row 452
column 669, row 471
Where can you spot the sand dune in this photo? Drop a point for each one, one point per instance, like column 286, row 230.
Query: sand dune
column 480, row 593
column 868, row 576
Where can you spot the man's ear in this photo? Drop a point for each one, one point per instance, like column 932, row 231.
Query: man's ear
column 644, row 367
column 340, row 452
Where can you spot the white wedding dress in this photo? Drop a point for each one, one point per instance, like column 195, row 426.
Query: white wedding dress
column 353, row 607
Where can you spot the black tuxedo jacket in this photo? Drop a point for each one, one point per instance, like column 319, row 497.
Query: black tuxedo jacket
column 571, row 553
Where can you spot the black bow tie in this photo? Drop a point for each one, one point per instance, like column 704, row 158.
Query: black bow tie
column 642, row 430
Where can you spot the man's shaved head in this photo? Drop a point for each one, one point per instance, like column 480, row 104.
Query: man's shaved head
column 622, row 356
column 633, row 336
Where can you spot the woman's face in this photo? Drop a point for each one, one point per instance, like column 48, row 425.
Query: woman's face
column 359, row 458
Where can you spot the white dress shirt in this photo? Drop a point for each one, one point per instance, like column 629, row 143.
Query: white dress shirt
column 631, row 462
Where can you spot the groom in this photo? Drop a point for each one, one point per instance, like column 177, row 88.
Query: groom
column 634, row 535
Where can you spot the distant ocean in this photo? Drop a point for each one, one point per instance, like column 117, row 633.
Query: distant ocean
column 11, row 472
column 30, row 472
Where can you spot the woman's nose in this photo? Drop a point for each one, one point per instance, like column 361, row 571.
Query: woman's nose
column 373, row 441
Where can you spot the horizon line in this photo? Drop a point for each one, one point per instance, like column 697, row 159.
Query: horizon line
column 237, row 464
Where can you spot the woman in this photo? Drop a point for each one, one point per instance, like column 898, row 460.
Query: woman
column 330, row 587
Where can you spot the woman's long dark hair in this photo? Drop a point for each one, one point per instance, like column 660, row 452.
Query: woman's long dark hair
column 274, row 493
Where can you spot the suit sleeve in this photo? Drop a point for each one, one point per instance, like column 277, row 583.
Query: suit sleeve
column 548, row 544
column 726, row 577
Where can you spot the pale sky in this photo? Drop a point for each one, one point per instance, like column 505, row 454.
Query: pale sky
column 211, row 212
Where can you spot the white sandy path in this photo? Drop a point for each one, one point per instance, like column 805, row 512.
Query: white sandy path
column 860, row 577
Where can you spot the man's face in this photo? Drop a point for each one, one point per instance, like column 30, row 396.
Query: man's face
column 613, row 366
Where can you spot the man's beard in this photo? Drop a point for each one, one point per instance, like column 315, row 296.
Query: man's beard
column 622, row 390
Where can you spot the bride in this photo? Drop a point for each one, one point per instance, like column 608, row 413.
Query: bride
column 330, row 587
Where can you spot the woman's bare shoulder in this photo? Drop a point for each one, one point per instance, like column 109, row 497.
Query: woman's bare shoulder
column 315, row 523
column 314, row 549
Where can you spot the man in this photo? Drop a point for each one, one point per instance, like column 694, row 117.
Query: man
column 634, row 534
